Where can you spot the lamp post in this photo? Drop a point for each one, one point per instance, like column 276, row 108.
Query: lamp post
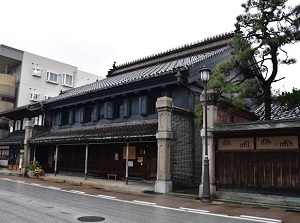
column 204, row 75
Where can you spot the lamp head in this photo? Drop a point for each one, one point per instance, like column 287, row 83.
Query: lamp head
column 204, row 74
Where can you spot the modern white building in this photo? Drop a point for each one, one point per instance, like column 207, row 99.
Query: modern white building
column 27, row 78
column 39, row 78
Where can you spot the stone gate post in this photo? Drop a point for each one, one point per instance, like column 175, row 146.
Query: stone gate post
column 164, row 106
column 28, row 134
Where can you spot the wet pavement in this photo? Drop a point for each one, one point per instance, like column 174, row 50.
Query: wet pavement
column 143, row 192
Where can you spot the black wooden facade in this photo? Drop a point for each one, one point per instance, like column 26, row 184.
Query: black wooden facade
column 105, row 116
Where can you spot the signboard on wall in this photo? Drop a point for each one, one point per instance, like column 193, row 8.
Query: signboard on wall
column 235, row 143
column 272, row 142
column 277, row 142
column 131, row 152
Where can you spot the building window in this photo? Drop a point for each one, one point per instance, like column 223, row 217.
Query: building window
column 36, row 71
column 68, row 80
column 52, row 77
column 18, row 125
column 143, row 105
column 46, row 97
column 35, row 120
column 108, row 110
column 126, row 108
column 34, row 97
column 119, row 112
column 8, row 99
column 65, row 118
column 86, row 114
column 4, row 153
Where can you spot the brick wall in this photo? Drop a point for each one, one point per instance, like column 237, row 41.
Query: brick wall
column 229, row 114
column 185, row 169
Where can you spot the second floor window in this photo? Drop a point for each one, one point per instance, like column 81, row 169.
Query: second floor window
column 52, row 77
column 4, row 153
column 65, row 118
column 68, row 80
column 46, row 97
column 34, row 97
column 36, row 71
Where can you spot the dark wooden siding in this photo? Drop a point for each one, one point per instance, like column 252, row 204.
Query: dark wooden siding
column 102, row 158
column 260, row 171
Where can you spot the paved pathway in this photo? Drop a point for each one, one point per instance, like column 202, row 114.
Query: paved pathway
column 143, row 191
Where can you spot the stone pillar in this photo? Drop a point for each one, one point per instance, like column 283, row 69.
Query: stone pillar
column 163, row 184
column 28, row 134
column 212, row 117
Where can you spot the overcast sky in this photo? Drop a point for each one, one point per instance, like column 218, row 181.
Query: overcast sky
column 92, row 34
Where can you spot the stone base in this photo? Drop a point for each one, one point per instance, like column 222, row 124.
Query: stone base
column 213, row 191
column 162, row 186
column 22, row 171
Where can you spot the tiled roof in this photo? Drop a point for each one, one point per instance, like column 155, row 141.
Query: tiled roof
column 262, row 126
column 14, row 139
column 278, row 112
column 117, row 131
column 154, row 66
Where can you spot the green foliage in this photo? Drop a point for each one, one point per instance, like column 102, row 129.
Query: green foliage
column 257, row 51
column 199, row 114
column 289, row 100
column 36, row 169
column 34, row 165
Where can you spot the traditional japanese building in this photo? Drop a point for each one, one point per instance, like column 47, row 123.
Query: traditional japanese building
column 92, row 127
column 139, row 122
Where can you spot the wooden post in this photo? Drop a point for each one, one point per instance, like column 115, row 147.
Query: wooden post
column 127, row 154
column 55, row 164
column 86, row 160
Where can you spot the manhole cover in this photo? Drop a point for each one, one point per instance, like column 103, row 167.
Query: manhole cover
column 90, row 219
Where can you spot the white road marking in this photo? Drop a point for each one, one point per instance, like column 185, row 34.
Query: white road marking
column 197, row 211
column 259, row 218
column 19, row 181
column 77, row 192
column 193, row 210
column 54, row 188
column 143, row 202
column 106, row 197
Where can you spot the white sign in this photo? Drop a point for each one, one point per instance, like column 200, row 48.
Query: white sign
column 130, row 163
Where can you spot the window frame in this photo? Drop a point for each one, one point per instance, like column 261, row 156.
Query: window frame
column 37, row 74
column 46, row 97
column 34, row 96
column 64, row 80
column 49, row 75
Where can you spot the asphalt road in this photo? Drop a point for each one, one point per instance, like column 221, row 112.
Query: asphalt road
column 23, row 202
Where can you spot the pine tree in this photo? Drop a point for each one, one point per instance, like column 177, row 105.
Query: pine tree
column 257, row 51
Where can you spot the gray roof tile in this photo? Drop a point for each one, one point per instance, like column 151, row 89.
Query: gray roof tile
column 14, row 139
column 278, row 112
column 142, row 69
column 99, row 133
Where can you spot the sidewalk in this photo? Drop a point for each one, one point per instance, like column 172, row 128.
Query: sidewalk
column 133, row 186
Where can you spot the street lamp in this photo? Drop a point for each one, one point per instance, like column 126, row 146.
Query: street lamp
column 204, row 75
